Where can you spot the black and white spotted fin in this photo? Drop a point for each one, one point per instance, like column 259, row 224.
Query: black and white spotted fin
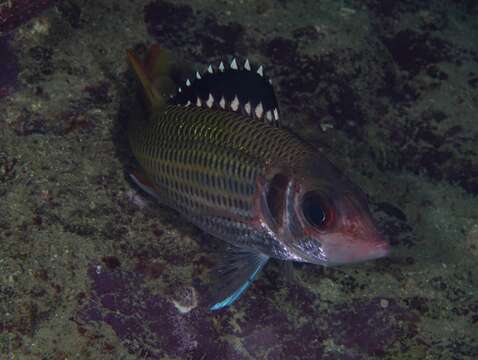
column 235, row 85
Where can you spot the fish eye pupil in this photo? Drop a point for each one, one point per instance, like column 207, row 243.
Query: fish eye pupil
column 314, row 211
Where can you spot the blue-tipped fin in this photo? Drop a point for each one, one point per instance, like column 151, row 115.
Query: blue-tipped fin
column 235, row 273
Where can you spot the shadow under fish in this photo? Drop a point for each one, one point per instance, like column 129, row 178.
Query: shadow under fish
column 214, row 149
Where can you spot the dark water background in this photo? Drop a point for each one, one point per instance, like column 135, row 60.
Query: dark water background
column 89, row 270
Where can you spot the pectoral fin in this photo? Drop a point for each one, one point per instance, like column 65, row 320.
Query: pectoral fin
column 237, row 270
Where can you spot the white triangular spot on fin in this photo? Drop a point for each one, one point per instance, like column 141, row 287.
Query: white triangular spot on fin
column 221, row 66
column 198, row 75
column 188, row 103
column 247, row 107
column 179, row 89
column 234, row 64
column 247, row 66
column 222, row 103
column 259, row 110
column 269, row 115
column 235, row 104
column 198, row 102
column 260, row 71
column 210, row 100
column 209, row 69
column 188, row 83
column 270, row 81
column 276, row 114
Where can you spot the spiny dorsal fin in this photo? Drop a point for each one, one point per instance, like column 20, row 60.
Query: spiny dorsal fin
column 236, row 85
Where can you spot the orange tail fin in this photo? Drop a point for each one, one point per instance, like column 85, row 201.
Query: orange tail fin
column 145, row 76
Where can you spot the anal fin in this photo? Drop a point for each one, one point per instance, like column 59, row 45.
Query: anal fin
column 235, row 273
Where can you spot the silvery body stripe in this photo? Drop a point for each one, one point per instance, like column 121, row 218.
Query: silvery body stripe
column 205, row 164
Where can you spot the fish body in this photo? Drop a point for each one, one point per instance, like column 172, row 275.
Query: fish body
column 213, row 168
column 218, row 154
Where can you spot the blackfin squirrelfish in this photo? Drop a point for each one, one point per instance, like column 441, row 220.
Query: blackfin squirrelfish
column 214, row 148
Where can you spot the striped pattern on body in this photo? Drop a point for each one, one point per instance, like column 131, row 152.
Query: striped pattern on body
column 205, row 163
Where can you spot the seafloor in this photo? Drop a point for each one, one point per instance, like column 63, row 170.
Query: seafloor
column 90, row 270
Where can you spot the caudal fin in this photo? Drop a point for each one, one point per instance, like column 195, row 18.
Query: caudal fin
column 153, row 75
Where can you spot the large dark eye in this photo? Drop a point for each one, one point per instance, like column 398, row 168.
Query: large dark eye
column 316, row 211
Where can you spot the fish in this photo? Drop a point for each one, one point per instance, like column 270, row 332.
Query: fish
column 214, row 147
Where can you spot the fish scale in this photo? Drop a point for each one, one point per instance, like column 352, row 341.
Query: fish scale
column 207, row 160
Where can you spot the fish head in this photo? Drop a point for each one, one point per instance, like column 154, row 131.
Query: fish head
column 323, row 218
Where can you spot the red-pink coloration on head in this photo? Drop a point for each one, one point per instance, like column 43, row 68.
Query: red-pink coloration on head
column 352, row 237
column 321, row 217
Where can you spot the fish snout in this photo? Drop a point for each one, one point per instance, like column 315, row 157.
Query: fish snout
column 345, row 249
